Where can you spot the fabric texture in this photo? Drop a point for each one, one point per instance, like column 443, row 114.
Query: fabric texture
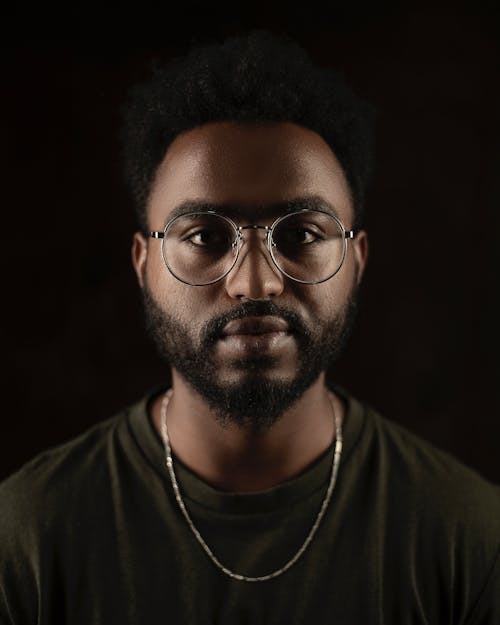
column 91, row 533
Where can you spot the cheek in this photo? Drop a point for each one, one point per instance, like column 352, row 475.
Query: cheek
column 346, row 278
column 334, row 300
column 321, row 302
column 156, row 271
column 186, row 303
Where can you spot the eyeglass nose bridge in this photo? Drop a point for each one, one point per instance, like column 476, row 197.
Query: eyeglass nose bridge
column 268, row 238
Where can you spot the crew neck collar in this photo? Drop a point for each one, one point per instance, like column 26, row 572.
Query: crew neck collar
column 285, row 494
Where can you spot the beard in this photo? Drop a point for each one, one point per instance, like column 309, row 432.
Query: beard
column 257, row 401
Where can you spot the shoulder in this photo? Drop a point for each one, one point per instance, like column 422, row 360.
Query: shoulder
column 39, row 510
column 56, row 476
column 424, row 460
column 41, row 505
column 449, row 512
column 443, row 492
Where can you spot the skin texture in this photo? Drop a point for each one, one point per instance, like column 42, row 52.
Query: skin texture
column 252, row 167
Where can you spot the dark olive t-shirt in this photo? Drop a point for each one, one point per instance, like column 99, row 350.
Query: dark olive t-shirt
column 91, row 534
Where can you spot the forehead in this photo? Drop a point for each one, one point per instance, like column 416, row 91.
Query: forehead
column 248, row 171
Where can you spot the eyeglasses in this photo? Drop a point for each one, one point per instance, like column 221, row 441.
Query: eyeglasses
column 308, row 246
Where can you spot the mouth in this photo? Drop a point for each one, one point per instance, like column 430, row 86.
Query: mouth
column 256, row 326
column 256, row 334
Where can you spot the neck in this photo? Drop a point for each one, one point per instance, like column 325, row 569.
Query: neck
column 236, row 459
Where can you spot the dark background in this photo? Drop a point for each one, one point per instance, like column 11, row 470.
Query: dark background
column 425, row 349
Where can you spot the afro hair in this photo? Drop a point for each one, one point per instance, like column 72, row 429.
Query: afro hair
column 257, row 77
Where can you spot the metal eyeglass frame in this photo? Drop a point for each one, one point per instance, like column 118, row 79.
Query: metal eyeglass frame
column 238, row 241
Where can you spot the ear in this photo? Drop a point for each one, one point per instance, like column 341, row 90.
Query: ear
column 360, row 247
column 139, row 256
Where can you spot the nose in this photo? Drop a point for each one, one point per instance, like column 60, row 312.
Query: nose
column 254, row 276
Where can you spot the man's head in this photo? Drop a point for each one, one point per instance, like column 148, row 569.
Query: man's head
column 232, row 126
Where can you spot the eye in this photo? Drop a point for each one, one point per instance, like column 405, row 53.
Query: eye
column 294, row 234
column 209, row 238
column 302, row 235
column 202, row 237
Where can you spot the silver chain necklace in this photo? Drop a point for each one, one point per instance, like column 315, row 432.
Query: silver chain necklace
column 199, row 538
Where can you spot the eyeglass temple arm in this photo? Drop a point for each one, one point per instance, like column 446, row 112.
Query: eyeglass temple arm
column 157, row 235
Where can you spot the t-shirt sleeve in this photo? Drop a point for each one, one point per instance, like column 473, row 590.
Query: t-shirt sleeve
column 486, row 610
column 18, row 555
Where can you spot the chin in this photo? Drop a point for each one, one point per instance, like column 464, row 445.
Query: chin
column 245, row 372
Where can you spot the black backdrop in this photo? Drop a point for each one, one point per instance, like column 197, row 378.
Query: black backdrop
column 426, row 344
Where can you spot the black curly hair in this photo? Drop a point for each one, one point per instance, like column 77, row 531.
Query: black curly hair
column 257, row 77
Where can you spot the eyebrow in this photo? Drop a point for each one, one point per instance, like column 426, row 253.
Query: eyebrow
column 293, row 205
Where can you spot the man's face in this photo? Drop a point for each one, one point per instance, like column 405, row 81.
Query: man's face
column 245, row 170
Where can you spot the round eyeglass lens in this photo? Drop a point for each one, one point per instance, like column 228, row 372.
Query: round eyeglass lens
column 309, row 246
column 199, row 248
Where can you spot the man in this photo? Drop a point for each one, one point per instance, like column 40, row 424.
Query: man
column 249, row 491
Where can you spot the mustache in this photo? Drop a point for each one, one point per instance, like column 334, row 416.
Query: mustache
column 212, row 331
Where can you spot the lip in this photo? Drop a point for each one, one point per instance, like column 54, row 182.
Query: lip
column 256, row 326
column 257, row 343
